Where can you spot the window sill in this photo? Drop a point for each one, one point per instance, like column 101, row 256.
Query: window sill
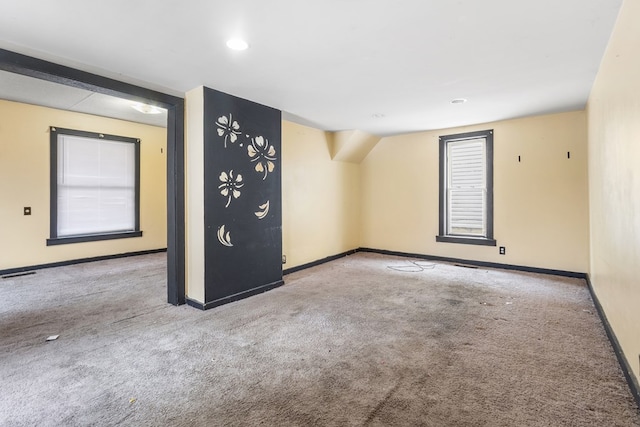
column 467, row 240
column 92, row 238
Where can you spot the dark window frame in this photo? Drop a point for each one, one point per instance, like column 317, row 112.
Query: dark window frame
column 54, row 239
column 442, row 236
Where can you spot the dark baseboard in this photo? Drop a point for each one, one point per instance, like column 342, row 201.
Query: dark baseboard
column 234, row 297
column 11, row 271
column 622, row 360
column 479, row 263
column 193, row 303
column 318, row 262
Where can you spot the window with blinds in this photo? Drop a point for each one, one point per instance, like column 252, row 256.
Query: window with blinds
column 466, row 188
column 95, row 186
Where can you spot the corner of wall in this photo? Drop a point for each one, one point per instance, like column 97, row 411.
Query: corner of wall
column 194, row 194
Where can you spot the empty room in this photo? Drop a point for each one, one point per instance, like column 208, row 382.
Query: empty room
column 283, row 213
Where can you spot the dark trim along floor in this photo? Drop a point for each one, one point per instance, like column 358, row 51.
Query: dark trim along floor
column 318, row 262
column 78, row 261
column 439, row 258
column 479, row 263
column 234, row 297
column 622, row 359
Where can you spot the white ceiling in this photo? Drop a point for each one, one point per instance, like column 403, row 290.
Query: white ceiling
column 381, row 66
column 15, row 87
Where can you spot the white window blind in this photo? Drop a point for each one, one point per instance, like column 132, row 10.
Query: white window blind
column 95, row 186
column 466, row 187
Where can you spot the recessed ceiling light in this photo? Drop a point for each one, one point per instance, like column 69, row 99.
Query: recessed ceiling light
column 237, row 44
column 458, row 101
column 146, row 108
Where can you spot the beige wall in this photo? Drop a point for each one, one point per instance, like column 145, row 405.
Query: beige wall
column 24, row 181
column 614, row 182
column 194, row 194
column 320, row 198
column 540, row 204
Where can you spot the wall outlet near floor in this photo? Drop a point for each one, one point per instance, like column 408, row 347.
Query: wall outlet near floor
column 503, row 250
column 284, row 259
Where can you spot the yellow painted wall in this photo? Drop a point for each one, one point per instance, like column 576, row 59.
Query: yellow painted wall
column 320, row 197
column 24, row 181
column 194, row 194
column 614, row 182
column 540, row 204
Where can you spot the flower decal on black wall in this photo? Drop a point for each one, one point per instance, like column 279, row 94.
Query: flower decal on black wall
column 262, row 154
column 228, row 128
column 230, row 186
column 232, row 163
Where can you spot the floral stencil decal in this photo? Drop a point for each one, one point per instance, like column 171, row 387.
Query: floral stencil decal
column 224, row 237
column 263, row 154
column 230, row 186
column 264, row 210
column 228, row 128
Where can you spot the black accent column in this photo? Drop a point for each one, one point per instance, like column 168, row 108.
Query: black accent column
column 242, row 198
column 175, row 205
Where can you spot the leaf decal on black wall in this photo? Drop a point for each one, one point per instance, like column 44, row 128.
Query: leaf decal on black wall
column 224, row 237
column 264, row 210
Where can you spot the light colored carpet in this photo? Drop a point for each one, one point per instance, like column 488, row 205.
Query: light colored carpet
column 351, row 342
